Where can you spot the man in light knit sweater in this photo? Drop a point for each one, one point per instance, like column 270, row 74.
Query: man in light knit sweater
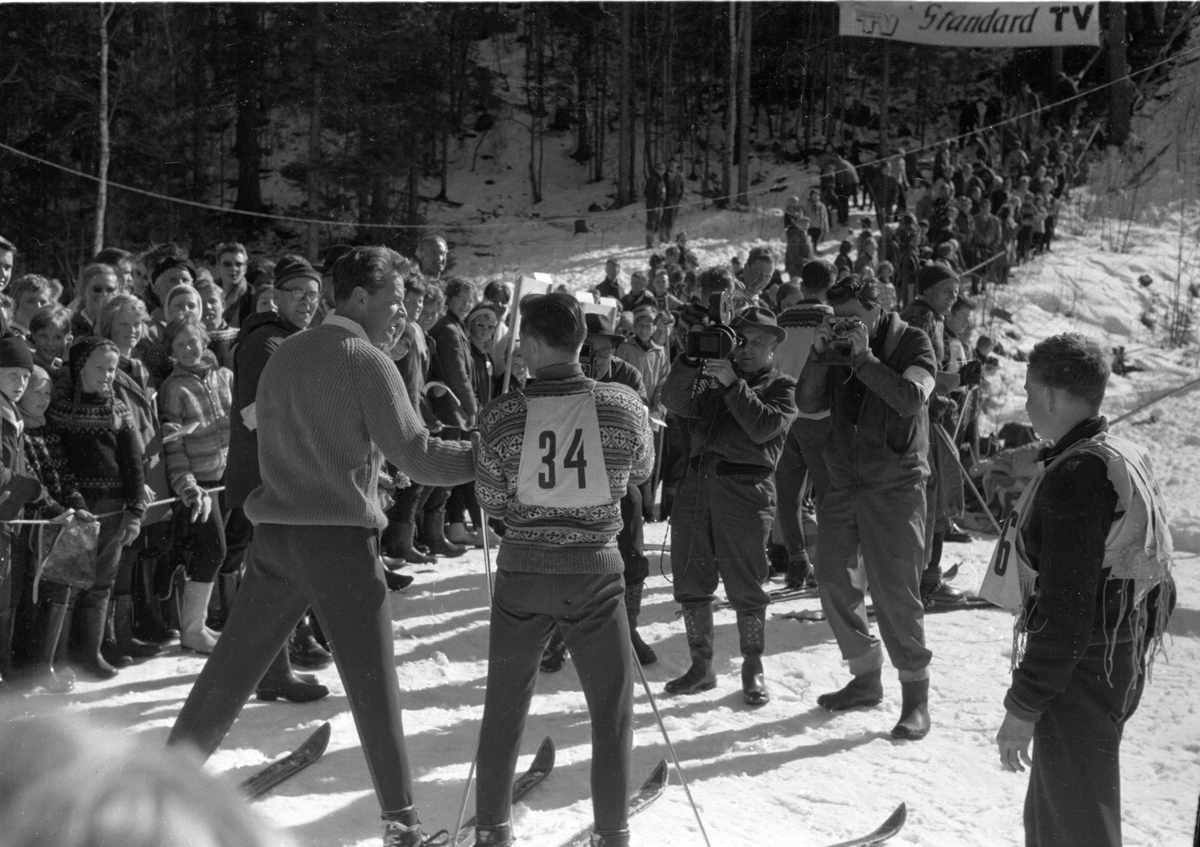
column 555, row 459
column 330, row 407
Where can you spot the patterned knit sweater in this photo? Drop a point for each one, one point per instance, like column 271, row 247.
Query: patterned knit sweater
column 103, row 450
column 330, row 407
column 201, row 395
column 568, row 540
column 46, row 459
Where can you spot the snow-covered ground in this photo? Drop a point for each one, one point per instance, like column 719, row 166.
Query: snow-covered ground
column 787, row 773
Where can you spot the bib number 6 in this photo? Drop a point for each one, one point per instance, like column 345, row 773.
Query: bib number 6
column 573, row 460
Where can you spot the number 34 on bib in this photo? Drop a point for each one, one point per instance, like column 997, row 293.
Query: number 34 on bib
column 562, row 462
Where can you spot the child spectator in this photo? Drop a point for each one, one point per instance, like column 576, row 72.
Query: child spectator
column 102, row 449
column 264, row 299
column 197, row 397
column 221, row 335
column 45, row 460
column 844, row 261
column 50, row 335
column 30, row 293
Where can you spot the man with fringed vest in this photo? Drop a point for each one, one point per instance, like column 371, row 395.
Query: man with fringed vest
column 1085, row 562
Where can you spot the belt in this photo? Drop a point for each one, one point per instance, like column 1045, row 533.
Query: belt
column 721, row 467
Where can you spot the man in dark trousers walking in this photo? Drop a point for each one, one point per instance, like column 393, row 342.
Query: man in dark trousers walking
column 554, row 461
column 330, row 408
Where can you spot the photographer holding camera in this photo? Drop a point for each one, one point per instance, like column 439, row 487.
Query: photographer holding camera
column 738, row 409
column 877, row 457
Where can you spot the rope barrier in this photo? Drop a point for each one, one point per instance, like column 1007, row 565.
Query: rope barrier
column 111, row 514
column 568, row 218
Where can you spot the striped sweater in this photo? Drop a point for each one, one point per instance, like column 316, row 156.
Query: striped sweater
column 203, row 396
column 568, row 540
column 330, row 406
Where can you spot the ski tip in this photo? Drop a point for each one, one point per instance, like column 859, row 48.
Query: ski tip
column 320, row 738
column 898, row 817
column 544, row 759
column 659, row 777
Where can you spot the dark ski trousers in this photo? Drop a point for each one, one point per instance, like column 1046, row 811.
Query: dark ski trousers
column 590, row 611
column 719, row 529
column 336, row 571
column 886, row 524
column 1074, row 796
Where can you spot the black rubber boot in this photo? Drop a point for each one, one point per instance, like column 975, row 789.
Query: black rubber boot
column 398, row 542
column 280, row 683
column 224, row 593
column 304, row 649
column 127, row 643
column 633, row 608
column 109, row 648
column 914, row 711
column 863, row 690
column 48, row 628
column 91, row 617
column 752, row 633
column 434, row 533
column 148, row 617
column 555, row 653
column 800, row 571
column 493, row 836
column 698, row 621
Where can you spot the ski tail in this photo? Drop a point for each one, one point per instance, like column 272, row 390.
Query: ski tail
column 290, row 765
column 539, row 769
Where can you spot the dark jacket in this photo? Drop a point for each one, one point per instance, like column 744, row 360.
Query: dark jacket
column 452, row 362
column 1076, row 607
column 259, row 337
column 744, row 424
column 880, row 429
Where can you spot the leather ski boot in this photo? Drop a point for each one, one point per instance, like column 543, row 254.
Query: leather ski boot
column 499, row 835
column 280, row 683
column 752, row 632
column 403, row 829
column 303, row 649
column 698, row 621
column 127, row 643
column 434, row 533
column 555, row 653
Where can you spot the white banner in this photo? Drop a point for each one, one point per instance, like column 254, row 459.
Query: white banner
column 973, row 24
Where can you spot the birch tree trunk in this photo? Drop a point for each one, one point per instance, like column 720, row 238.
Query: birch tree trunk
column 105, row 149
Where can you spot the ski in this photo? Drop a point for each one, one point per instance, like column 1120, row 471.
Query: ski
column 651, row 790
column 965, row 605
column 885, row 831
column 539, row 769
column 290, row 765
column 777, row 595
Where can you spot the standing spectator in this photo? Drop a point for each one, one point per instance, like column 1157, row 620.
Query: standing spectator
column 656, row 197
column 232, row 263
column 610, row 286
column 844, row 262
column 672, row 197
column 100, row 283
column 30, row 292
column 845, row 187
column 726, row 504
column 1090, row 545
column 8, row 252
column 432, row 255
column 221, row 336
column 877, row 461
column 638, row 295
column 452, row 361
column 818, row 219
column 50, row 336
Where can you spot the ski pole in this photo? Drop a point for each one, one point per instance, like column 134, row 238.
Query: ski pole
column 678, row 768
column 487, row 567
column 941, row 433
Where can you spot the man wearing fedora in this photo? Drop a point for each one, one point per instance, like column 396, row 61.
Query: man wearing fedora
column 738, row 411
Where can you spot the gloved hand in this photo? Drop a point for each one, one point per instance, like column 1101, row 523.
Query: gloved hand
column 199, row 501
column 129, row 529
column 971, row 373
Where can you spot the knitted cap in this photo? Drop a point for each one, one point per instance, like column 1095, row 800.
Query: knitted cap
column 644, row 311
column 14, row 353
column 931, row 275
column 171, row 262
column 288, row 271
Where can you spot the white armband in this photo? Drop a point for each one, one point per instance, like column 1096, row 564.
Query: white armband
column 922, row 378
column 250, row 417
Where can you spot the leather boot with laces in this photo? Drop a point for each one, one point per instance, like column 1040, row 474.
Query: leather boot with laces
column 499, row 835
column 751, row 631
column 698, row 621
column 613, row 838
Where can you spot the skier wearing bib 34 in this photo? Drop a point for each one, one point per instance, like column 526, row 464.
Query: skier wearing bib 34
column 1085, row 556
column 554, row 461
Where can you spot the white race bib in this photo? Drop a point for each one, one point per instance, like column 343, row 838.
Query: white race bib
column 562, row 461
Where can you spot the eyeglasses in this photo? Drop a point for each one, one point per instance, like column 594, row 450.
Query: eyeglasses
column 478, row 325
column 299, row 294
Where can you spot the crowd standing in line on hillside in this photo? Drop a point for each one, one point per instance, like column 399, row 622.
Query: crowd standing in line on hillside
column 835, row 386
